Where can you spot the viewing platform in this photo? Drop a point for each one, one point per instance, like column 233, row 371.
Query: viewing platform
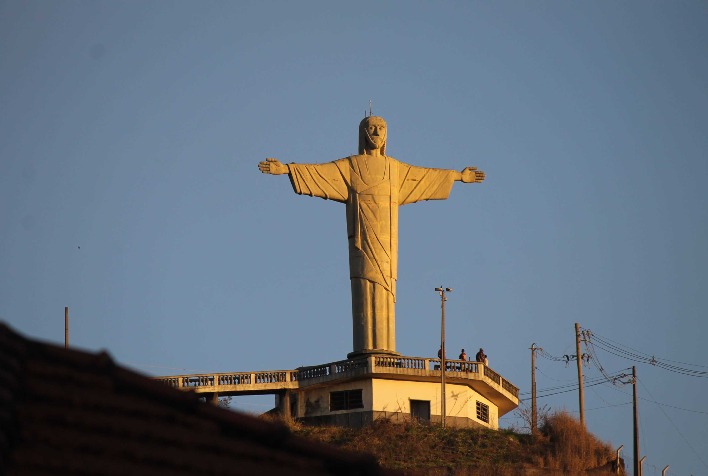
column 474, row 375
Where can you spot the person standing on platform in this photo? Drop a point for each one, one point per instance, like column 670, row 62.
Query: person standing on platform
column 481, row 357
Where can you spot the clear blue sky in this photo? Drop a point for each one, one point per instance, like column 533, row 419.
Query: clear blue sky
column 129, row 189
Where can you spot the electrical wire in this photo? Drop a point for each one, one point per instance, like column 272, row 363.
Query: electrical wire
column 660, row 403
column 553, row 378
column 567, row 388
column 546, row 355
column 626, row 352
column 688, row 443
column 589, row 346
column 640, row 352
column 571, row 386
column 601, row 408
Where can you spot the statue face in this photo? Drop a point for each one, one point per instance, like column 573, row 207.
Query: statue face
column 376, row 133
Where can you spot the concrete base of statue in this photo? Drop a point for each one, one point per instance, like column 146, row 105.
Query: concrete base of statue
column 362, row 353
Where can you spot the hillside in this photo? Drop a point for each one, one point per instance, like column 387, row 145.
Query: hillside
column 562, row 448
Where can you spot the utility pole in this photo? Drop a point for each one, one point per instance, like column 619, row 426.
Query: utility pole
column 66, row 327
column 534, row 413
column 443, row 409
column 637, row 468
column 581, row 391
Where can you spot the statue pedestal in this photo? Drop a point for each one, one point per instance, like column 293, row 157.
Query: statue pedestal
column 362, row 353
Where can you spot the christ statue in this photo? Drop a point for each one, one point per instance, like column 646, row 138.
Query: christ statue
column 373, row 186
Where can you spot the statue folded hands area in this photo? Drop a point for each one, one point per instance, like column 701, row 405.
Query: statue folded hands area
column 372, row 185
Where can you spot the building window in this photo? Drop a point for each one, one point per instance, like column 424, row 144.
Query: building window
column 483, row 412
column 345, row 400
column 420, row 410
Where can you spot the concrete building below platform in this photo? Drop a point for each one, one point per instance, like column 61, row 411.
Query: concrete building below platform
column 355, row 392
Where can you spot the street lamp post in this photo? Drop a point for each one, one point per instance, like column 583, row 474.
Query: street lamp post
column 443, row 409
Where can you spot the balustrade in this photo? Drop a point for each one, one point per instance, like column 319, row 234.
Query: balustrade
column 313, row 372
column 455, row 366
column 171, row 381
column 190, row 381
column 492, row 375
column 375, row 363
column 387, row 362
column 234, row 379
column 347, row 365
column 506, row 385
column 465, row 366
column 413, row 363
column 271, row 377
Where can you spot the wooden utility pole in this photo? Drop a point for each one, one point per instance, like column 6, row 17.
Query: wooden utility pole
column 637, row 470
column 534, row 413
column 581, row 391
column 66, row 327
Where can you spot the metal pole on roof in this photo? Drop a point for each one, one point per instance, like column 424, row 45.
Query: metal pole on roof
column 443, row 409
column 637, row 463
column 618, row 458
column 66, row 327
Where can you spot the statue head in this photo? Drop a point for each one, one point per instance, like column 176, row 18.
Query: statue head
column 372, row 134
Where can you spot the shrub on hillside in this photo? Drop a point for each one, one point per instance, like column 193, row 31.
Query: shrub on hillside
column 570, row 446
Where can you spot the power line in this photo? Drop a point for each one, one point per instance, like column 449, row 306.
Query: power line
column 688, row 443
column 573, row 386
column 661, row 403
column 593, row 355
column 629, row 353
column 640, row 352
column 565, row 388
column 603, row 407
column 556, row 379
column 546, row 355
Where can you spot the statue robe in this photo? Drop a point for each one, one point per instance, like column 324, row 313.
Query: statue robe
column 372, row 187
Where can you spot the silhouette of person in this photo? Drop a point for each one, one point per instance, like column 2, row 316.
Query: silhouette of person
column 481, row 356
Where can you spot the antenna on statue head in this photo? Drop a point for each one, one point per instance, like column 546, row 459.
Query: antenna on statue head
column 369, row 107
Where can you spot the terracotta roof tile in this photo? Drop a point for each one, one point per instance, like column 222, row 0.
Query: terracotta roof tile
column 64, row 411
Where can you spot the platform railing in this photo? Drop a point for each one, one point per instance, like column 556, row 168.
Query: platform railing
column 361, row 365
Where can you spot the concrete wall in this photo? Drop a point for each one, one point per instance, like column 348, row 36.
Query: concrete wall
column 395, row 396
column 391, row 399
column 314, row 402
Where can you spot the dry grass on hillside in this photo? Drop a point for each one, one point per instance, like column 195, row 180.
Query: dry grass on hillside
column 567, row 446
column 562, row 448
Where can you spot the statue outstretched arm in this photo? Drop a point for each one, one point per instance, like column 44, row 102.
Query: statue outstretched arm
column 317, row 180
column 471, row 175
column 273, row 166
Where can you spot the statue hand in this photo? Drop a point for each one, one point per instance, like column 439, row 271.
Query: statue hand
column 471, row 175
column 273, row 167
